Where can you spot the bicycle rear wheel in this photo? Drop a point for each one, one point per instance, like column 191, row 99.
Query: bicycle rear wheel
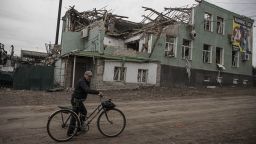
column 111, row 122
column 59, row 123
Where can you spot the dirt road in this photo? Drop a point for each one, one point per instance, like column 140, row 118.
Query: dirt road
column 224, row 119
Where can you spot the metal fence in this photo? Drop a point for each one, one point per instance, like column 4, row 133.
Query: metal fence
column 33, row 77
column 6, row 79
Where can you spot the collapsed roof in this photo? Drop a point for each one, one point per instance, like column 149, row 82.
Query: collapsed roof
column 117, row 26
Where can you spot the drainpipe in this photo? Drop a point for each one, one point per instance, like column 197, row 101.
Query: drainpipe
column 74, row 72
column 101, row 51
column 123, row 62
column 188, row 69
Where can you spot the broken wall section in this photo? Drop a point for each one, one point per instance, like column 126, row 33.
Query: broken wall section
column 139, row 45
column 89, row 38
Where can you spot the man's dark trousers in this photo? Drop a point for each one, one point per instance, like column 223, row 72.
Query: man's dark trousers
column 78, row 107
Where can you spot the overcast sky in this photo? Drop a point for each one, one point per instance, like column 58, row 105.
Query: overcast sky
column 29, row 24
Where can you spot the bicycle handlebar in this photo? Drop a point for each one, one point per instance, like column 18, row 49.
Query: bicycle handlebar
column 103, row 97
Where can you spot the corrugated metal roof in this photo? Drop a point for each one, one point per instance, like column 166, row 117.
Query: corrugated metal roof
column 26, row 53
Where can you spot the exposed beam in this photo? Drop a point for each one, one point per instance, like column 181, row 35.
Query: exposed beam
column 147, row 18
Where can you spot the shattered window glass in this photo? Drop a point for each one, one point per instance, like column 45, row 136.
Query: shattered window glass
column 119, row 73
column 186, row 49
column 207, row 22
column 207, row 54
column 142, row 75
column 170, row 46
column 219, row 56
column 220, row 25
column 235, row 59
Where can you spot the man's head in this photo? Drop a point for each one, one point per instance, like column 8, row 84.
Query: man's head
column 88, row 75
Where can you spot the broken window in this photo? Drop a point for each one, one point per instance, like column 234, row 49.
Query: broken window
column 133, row 45
column 145, row 44
column 142, row 75
column 245, row 82
column 119, row 73
column 235, row 81
column 144, row 48
column 207, row 22
column 245, row 56
column 219, row 56
column 186, row 49
column 220, row 25
column 207, row 78
column 235, row 59
column 207, row 54
column 170, row 47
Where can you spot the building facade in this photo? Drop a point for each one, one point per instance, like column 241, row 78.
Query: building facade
column 200, row 45
column 207, row 44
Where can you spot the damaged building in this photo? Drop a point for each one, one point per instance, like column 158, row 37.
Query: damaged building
column 194, row 45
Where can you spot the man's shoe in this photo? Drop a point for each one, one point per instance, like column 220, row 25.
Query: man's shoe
column 69, row 134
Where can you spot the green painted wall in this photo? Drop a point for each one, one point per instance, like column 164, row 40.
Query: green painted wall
column 204, row 37
column 72, row 41
column 216, row 40
column 94, row 42
column 158, row 52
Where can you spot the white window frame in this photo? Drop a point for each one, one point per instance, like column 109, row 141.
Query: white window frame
column 235, row 65
column 235, row 81
column 208, row 20
column 221, row 29
column 207, row 79
column 170, row 47
column 207, row 53
column 222, row 55
column 245, row 56
column 119, row 71
column 245, row 82
column 142, row 76
column 187, row 47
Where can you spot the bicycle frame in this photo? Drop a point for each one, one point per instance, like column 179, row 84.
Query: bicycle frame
column 72, row 121
column 93, row 115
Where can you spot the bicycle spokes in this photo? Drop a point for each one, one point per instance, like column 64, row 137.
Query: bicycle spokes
column 111, row 122
column 60, row 123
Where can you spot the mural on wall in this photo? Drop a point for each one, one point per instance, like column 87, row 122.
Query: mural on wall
column 242, row 35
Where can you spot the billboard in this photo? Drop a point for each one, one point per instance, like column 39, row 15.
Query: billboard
column 242, row 35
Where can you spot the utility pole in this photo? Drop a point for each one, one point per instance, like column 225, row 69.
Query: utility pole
column 58, row 23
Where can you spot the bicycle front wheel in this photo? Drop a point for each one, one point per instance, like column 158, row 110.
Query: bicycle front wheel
column 111, row 122
column 62, row 125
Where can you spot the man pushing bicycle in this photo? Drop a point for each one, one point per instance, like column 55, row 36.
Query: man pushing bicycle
column 79, row 95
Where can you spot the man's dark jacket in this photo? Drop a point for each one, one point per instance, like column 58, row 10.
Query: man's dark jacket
column 82, row 88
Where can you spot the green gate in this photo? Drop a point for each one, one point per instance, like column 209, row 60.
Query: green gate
column 33, row 77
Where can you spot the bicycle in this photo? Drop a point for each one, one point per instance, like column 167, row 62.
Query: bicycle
column 111, row 121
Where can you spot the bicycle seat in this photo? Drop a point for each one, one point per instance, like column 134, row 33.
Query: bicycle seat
column 66, row 107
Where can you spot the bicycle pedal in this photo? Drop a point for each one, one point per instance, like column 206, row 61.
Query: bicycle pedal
column 81, row 131
column 78, row 133
column 84, row 128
